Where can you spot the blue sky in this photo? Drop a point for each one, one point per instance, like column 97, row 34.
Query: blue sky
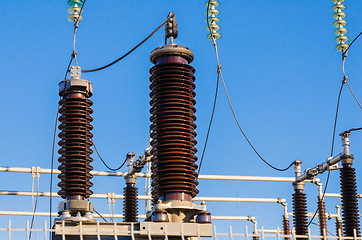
column 278, row 60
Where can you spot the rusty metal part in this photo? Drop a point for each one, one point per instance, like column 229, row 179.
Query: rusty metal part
column 286, row 227
column 300, row 213
column 322, row 217
column 173, row 129
column 350, row 216
column 130, row 204
column 75, row 143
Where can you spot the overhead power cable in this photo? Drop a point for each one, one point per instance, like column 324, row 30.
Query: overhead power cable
column 231, row 107
column 130, row 51
column 105, row 164
column 344, row 81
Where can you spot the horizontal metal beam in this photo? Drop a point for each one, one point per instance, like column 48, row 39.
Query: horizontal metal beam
column 144, row 197
column 203, row 177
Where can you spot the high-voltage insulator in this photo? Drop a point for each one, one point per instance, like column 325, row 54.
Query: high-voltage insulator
column 212, row 19
column 341, row 38
column 130, row 203
column 300, row 213
column 75, row 10
column 322, row 216
column 349, row 201
column 173, row 124
column 286, row 227
column 75, row 143
column 339, row 227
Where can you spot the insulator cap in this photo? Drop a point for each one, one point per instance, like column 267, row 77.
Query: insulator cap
column 171, row 50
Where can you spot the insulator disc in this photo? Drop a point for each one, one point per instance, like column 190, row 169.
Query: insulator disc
column 338, row 7
column 214, row 35
column 340, row 31
column 341, row 47
column 214, row 12
column 339, row 23
column 341, row 39
column 212, row 3
column 337, row 1
column 339, row 15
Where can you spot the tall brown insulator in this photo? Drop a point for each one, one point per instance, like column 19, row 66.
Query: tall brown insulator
column 173, row 124
column 286, row 227
column 322, row 216
column 350, row 216
column 75, row 135
column 300, row 213
column 130, row 204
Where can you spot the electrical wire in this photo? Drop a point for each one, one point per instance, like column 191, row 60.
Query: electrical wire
column 229, row 101
column 130, row 51
column 105, row 164
column 74, row 53
column 51, row 173
column 34, row 205
column 210, row 123
column 326, row 229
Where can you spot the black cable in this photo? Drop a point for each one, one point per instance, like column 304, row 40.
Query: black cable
column 210, row 123
column 35, row 205
column 336, row 117
column 51, row 173
column 130, row 51
column 105, row 164
column 229, row 101
column 326, row 229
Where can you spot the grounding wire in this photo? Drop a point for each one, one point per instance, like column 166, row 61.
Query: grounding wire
column 105, row 164
column 130, row 51
column 231, row 107
column 100, row 215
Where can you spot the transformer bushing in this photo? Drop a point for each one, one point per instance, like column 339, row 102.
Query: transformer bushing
column 350, row 218
column 174, row 176
column 75, row 143
column 322, row 216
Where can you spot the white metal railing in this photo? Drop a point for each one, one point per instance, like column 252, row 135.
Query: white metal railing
column 255, row 233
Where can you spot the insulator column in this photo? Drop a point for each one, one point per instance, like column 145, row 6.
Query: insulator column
column 339, row 227
column 300, row 213
column 130, row 202
column 173, row 124
column 286, row 227
column 322, row 216
column 350, row 216
column 75, row 125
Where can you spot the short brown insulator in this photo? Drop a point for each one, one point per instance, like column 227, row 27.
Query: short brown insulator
column 255, row 237
column 75, row 143
column 339, row 227
column 130, row 203
column 300, row 213
column 350, row 216
column 173, row 129
column 286, row 227
column 322, row 217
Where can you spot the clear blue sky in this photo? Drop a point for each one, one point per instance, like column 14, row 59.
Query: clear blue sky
column 278, row 60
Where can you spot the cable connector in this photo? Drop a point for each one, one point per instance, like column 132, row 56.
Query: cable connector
column 171, row 28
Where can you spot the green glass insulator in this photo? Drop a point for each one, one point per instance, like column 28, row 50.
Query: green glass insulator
column 73, row 2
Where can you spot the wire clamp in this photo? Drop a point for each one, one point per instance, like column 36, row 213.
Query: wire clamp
column 35, row 171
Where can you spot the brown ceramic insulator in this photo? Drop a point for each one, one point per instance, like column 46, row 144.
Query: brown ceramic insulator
column 75, row 143
column 130, row 204
column 350, row 216
column 255, row 237
column 286, row 227
column 339, row 227
column 300, row 213
column 173, row 129
column 322, row 217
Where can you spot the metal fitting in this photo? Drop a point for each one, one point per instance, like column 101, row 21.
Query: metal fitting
column 76, row 210
column 298, row 186
column 347, row 159
column 171, row 50
column 75, row 83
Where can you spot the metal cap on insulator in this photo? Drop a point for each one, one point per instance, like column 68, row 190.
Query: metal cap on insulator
column 75, row 84
column 175, row 51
